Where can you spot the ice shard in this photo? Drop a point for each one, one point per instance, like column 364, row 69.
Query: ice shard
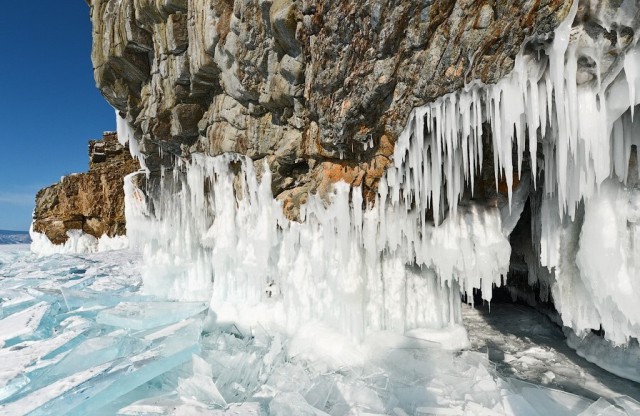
column 103, row 369
column 146, row 315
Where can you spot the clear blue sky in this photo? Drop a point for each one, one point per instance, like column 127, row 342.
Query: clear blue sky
column 49, row 105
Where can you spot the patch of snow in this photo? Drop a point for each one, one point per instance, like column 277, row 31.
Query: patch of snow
column 78, row 242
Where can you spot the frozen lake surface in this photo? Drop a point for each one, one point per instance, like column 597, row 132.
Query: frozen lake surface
column 79, row 337
column 524, row 344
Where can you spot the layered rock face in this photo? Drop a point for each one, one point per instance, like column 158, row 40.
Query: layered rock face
column 320, row 89
column 92, row 202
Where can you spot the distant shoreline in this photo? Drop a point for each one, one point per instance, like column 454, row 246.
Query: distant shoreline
column 8, row 237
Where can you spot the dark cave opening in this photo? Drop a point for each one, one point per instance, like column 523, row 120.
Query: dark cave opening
column 516, row 286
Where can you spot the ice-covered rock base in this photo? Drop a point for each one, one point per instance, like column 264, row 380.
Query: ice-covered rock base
column 80, row 339
column 78, row 242
column 211, row 230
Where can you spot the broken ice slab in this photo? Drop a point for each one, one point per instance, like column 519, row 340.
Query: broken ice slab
column 554, row 402
column 169, row 407
column 12, row 301
column 89, row 354
column 241, row 376
column 12, row 384
column 514, row 404
column 86, row 391
column 603, row 408
column 188, row 389
column 241, row 409
column 288, row 378
column 285, row 404
column 359, row 395
column 627, row 403
column 22, row 323
column 91, row 299
column 146, row 315
column 164, row 405
column 32, row 402
column 549, row 401
column 145, row 402
column 17, row 360
column 439, row 411
column 200, row 386
column 80, row 283
column 71, row 277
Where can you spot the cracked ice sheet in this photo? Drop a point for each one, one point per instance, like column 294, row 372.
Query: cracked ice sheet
column 34, row 401
column 14, row 361
column 23, row 323
column 160, row 408
column 394, row 375
column 524, row 344
column 145, row 315
column 391, row 375
column 108, row 367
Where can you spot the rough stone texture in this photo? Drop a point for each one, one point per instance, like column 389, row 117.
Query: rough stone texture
column 304, row 84
column 92, row 202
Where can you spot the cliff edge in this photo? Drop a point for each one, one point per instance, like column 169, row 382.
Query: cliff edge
column 92, row 202
column 319, row 89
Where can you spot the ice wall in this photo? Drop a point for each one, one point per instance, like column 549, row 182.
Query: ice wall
column 212, row 230
column 571, row 106
column 78, row 242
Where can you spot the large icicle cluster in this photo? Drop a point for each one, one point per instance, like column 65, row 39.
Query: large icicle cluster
column 126, row 134
column 586, row 130
column 541, row 100
column 217, row 232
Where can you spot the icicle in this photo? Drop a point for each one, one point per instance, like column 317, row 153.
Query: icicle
column 632, row 73
column 127, row 135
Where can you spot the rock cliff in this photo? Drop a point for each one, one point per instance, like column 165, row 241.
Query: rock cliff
column 93, row 201
column 320, row 89
column 324, row 91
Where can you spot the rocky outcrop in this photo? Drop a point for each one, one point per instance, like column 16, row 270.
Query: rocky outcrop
column 93, row 201
column 320, row 89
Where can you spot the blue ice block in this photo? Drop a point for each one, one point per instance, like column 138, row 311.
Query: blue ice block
column 146, row 315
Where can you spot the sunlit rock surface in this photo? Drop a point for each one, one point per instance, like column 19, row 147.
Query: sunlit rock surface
column 91, row 203
column 300, row 84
